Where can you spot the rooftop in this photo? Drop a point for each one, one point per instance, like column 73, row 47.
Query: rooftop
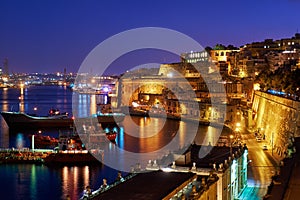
column 148, row 186
column 211, row 155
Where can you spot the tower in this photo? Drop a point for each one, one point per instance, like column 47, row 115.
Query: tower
column 5, row 67
column 65, row 75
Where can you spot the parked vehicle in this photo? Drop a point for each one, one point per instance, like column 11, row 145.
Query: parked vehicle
column 258, row 139
column 265, row 147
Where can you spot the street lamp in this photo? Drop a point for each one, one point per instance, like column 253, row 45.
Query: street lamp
column 231, row 137
column 35, row 109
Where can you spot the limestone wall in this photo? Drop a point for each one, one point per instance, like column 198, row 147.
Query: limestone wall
column 277, row 119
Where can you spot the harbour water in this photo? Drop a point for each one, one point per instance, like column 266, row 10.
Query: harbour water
column 28, row 181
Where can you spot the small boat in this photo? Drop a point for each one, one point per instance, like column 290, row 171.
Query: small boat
column 135, row 111
column 71, row 151
column 110, row 118
column 22, row 120
column 43, row 141
column 111, row 136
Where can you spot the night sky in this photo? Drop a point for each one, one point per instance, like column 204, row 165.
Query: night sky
column 50, row 35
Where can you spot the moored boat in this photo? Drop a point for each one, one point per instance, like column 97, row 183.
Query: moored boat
column 23, row 120
column 112, row 135
column 43, row 141
column 110, row 118
column 72, row 157
column 17, row 120
column 71, row 151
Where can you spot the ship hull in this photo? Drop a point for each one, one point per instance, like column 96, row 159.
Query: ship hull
column 71, row 158
column 110, row 118
column 16, row 120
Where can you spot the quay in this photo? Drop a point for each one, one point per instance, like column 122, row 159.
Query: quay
column 23, row 156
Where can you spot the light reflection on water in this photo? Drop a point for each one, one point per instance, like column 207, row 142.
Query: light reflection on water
column 35, row 182
column 136, row 134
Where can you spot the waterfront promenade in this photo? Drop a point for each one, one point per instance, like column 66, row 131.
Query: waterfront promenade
column 24, row 155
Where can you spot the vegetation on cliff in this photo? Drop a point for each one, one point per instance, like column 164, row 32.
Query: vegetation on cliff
column 283, row 80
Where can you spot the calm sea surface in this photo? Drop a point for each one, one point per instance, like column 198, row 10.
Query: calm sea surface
column 136, row 134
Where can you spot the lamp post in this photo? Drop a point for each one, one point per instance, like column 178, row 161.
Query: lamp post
column 32, row 142
column 231, row 137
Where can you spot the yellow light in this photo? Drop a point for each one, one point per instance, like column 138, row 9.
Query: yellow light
column 134, row 104
column 231, row 136
column 256, row 86
column 238, row 124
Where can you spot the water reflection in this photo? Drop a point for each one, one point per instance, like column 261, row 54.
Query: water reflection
column 4, row 101
column 33, row 182
column 36, row 182
column 135, row 134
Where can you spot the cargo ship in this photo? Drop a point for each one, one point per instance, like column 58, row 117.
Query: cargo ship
column 24, row 120
column 16, row 120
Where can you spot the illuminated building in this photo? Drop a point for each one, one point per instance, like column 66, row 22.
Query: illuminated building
column 194, row 57
column 230, row 169
column 157, row 185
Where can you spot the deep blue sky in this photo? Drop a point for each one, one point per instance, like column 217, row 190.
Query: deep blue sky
column 48, row 35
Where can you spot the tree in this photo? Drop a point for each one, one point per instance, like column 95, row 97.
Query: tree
column 231, row 47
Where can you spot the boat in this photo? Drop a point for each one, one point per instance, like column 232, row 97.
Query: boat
column 111, row 136
column 110, row 117
column 132, row 111
column 71, row 151
column 55, row 119
column 72, row 157
column 43, row 141
column 23, row 120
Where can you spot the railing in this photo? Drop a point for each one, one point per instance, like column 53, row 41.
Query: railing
column 99, row 191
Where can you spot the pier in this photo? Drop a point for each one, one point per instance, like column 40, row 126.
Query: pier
column 23, row 156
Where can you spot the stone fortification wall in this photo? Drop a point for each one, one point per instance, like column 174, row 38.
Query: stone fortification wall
column 277, row 119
